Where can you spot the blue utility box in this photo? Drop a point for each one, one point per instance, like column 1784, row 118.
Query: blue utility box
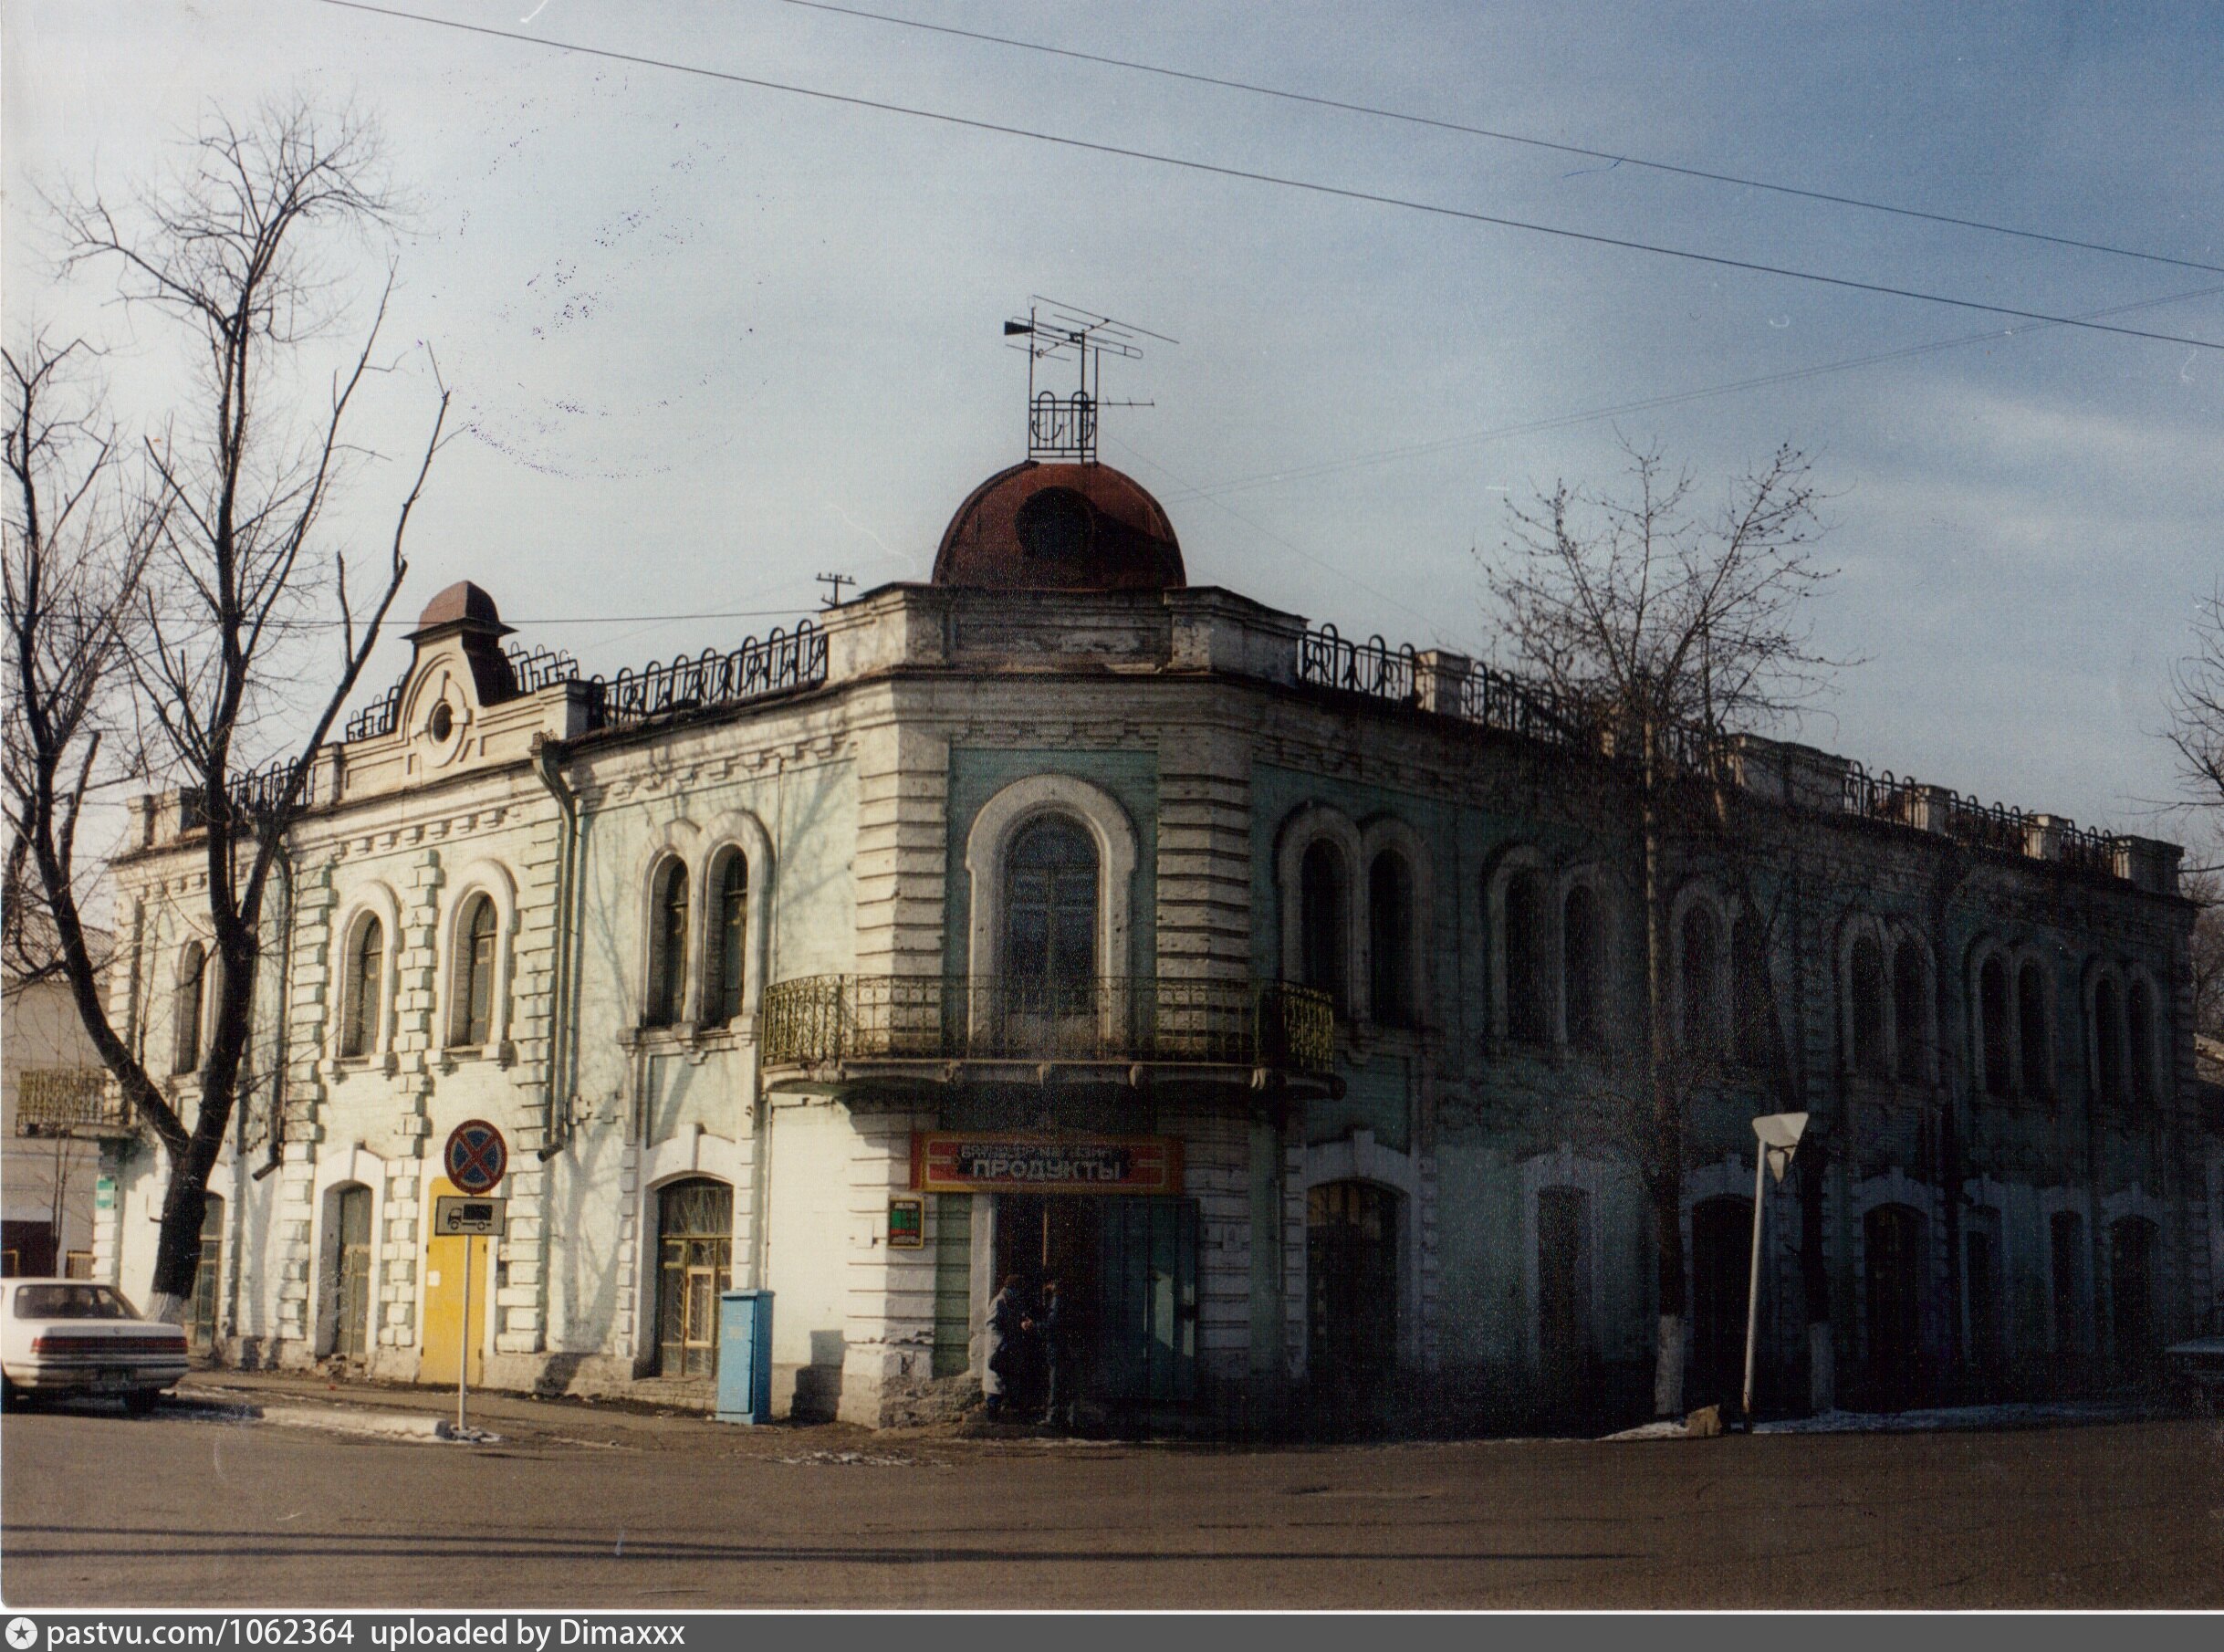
column 744, row 1357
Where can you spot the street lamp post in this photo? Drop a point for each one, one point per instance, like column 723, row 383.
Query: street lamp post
column 1779, row 1137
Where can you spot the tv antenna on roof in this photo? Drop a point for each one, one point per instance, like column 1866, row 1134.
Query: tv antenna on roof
column 1065, row 427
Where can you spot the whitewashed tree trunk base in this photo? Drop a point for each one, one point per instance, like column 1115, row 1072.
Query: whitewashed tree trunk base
column 165, row 1309
column 1669, row 1373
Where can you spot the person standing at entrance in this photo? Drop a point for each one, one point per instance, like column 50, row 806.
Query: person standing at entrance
column 1008, row 1321
column 1053, row 1329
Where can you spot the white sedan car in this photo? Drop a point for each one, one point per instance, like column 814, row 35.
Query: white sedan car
column 70, row 1336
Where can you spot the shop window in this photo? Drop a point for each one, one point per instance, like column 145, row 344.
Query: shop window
column 729, row 941
column 1700, row 968
column 2030, row 1025
column 1865, row 1021
column 1910, row 1014
column 1323, row 920
column 2131, row 1293
column 2108, row 1041
column 1580, row 969
column 1527, row 1020
column 2140, row 1012
column 472, row 1004
column 1992, row 1028
column 1390, row 939
column 1563, row 1318
column 193, row 972
column 366, row 965
column 694, row 1226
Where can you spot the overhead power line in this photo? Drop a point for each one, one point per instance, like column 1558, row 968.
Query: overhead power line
column 1618, row 159
column 1309, row 186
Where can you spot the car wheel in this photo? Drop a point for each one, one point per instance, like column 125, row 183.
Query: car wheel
column 141, row 1401
column 13, row 1399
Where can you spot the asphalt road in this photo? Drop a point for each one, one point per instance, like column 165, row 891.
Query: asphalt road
column 177, row 1510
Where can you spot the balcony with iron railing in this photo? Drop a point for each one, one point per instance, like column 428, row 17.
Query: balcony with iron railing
column 847, row 1027
column 68, row 1102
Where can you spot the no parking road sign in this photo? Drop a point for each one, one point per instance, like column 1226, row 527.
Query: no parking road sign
column 476, row 1156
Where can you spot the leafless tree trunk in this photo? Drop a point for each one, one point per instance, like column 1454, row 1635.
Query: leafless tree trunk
column 2196, row 706
column 171, row 607
column 1670, row 632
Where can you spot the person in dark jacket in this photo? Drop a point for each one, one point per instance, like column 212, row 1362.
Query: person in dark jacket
column 1054, row 1331
column 1006, row 1330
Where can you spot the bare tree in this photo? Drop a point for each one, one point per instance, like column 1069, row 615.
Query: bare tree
column 2195, row 707
column 1671, row 629
column 2205, row 889
column 186, row 599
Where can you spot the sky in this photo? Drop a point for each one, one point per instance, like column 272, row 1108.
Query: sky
column 708, row 341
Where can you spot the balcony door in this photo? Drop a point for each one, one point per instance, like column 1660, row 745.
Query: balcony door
column 1047, row 997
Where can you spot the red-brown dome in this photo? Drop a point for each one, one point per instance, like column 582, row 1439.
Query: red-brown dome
column 1060, row 528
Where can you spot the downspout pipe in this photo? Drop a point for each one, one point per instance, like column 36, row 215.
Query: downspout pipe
column 547, row 755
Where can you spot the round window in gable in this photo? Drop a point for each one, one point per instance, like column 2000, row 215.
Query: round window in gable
column 1056, row 525
column 443, row 723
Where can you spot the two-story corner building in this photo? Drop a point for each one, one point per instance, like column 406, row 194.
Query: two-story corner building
column 1281, row 998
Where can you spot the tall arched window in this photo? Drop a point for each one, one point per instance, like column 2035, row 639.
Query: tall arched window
column 2030, row 1025
column 2108, row 1040
column 668, row 947
column 1050, row 909
column 2139, row 1011
column 729, row 942
column 1910, row 1014
column 1992, row 1030
column 1323, row 920
column 193, row 973
column 1527, row 1017
column 1866, row 988
column 1701, row 996
column 1752, row 1004
column 471, row 1009
column 1580, row 967
column 366, row 965
column 1390, row 939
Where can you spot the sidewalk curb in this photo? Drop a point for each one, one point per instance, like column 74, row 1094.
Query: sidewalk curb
column 340, row 1418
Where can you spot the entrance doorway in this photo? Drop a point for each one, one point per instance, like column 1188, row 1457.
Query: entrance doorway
column 1127, row 1274
column 351, row 1281
column 1721, row 1274
column 2131, row 1291
column 1351, row 1290
column 1895, row 1235
column 201, row 1313
column 441, row 1339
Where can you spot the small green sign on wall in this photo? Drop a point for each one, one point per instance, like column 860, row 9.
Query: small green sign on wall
column 906, row 1224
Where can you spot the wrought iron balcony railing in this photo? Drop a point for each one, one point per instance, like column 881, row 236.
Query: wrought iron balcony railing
column 68, row 1101
column 818, row 1020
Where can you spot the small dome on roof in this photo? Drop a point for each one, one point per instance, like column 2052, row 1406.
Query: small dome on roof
column 461, row 602
column 1062, row 528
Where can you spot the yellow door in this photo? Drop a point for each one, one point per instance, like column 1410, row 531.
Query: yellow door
column 443, row 1299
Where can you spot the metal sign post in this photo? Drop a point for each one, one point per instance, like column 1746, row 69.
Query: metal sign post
column 1778, row 1134
column 475, row 1159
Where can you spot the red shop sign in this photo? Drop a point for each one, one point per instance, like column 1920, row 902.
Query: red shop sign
column 986, row 1162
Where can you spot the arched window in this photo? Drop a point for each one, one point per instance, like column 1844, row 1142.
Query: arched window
column 471, row 1009
column 1390, row 939
column 1323, row 919
column 1580, row 967
column 728, row 942
column 668, row 947
column 2108, row 1040
column 1751, row 1002
column 192, row 971
column 1527, row 1018
column 1992, row 1030
column 1050, row 908
column 2139, row 1011
column 1865, row 1024
column 1910, row 1013
column 2030, row 1025
column 1701, row 996
column 359, row 1012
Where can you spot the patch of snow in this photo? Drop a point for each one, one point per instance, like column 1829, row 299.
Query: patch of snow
column 1669, row 1428
column 2017, row 1415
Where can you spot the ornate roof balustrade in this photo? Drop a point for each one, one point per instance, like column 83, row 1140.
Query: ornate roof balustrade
column 855, row 1023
